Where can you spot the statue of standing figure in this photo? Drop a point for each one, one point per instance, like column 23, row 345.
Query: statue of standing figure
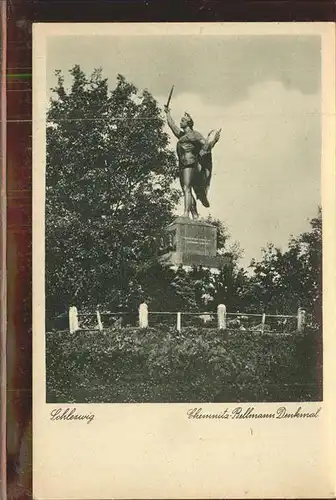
column 195, row 161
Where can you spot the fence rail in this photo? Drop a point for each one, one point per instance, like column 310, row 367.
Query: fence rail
column 263, row 323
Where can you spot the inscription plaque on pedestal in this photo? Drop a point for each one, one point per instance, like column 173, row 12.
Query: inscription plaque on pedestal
column 192, row 243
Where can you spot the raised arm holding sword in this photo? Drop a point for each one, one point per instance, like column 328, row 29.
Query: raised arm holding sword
column 195, row 161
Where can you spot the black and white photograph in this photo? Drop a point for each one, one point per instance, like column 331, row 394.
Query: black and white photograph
column 183, row 220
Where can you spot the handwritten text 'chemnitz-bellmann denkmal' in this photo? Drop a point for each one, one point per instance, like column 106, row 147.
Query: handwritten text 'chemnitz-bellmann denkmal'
column 251, row 412
column 237, row 413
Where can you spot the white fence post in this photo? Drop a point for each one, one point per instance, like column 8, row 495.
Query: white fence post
column 178, row 322
column 73, row 319
column 143, row 315
column 221, row 316
column 301, row 319
column 99, row 321
column 263, row 320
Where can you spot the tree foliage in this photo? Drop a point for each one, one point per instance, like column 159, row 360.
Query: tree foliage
column 280, row 283
column 108, row 191
column 284, row 281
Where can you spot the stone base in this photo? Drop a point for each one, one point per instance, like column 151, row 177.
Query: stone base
column 192, row 243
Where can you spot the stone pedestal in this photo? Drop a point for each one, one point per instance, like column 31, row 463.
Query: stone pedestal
column 192, row 243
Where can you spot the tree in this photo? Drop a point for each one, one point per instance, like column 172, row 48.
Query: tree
column 284, row 281
column 230, row 287
column 108, row 191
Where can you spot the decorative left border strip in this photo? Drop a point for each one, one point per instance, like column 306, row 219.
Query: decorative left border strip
column 17, row 443
column 3, row 204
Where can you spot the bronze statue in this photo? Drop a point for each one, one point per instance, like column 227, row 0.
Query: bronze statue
column 195, row 161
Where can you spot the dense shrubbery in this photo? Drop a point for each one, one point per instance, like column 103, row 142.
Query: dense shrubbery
column 198, row 365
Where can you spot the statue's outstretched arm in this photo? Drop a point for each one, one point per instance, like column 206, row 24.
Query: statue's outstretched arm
column 172, row 125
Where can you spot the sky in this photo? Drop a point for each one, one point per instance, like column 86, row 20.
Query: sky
column 263, row 91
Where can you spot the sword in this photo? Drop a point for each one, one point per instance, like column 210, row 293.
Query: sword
column 169, row 97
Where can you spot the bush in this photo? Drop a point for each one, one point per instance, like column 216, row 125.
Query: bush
column 196, row 365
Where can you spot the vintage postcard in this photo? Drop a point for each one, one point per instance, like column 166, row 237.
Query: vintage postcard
column 183, row 260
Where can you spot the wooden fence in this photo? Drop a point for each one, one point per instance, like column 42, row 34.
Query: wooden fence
column 222, row 319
